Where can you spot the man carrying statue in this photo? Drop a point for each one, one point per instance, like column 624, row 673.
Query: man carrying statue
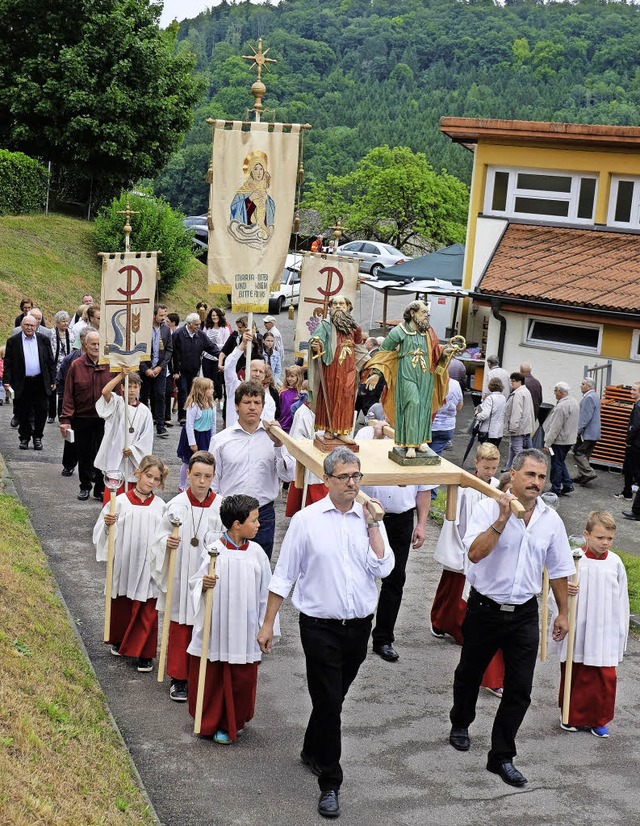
column 415, row 368
column 336, row 356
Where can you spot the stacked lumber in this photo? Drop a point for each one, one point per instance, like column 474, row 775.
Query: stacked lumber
column 614, row 418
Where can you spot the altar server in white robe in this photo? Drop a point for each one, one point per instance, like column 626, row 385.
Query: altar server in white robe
column 112, row 453
column 239, row 602
column 134, row 618
column 602, row 628
column 198, row 512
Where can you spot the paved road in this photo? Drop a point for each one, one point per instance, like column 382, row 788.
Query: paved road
column 398, row 766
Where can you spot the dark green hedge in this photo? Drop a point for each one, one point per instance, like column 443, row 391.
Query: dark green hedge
column 23, row 183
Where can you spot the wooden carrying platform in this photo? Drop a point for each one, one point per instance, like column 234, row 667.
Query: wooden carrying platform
column 378, row 469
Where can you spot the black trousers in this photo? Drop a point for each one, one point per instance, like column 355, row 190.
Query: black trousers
column 185, row 380
column 631, row 470
column 334, row 653
column 88, row 432
column 31, row 409
column 152, row 394
column 486, row 629
column 399, row 532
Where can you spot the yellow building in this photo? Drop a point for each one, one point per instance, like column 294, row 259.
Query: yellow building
column 553, row 246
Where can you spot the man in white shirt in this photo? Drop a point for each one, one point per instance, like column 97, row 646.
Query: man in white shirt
column 399, row 503
column 250, row 460
column 507, row 556
column 232, row 381
column 333, row 552
column 270, row 326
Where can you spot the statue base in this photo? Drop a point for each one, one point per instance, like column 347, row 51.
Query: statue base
column 399, row 456
column 327, row 445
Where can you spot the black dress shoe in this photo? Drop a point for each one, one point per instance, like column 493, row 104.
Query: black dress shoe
column 507, row 772
column 386, row 651
column 14, row 421
column 83, row 495
column 37, row 444
column 24, row 444
column 633, row 516
column 328, row 805
column 161, row 432
column 308, row 761
column 459, row 738
column 66, row 471
column 51, row 420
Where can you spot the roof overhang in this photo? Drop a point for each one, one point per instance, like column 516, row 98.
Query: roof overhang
column 471, row 131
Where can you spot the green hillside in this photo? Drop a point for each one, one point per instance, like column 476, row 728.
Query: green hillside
column 367, row 73
column 52, row 260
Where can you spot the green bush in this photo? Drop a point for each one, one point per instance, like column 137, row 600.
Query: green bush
column 23, row 183
column 156, row 227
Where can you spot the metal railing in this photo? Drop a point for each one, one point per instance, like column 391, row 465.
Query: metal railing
column 601, row 374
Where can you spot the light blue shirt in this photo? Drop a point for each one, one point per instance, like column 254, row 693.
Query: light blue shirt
column 155, row 346
column 31, row 356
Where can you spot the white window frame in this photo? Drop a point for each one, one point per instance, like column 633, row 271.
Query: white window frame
column 635, row 201
column 634, row 355
column 572, row 197
column 565, row 348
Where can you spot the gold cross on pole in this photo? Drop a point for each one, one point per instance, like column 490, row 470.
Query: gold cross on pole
column 127, row 227
column 259, row 60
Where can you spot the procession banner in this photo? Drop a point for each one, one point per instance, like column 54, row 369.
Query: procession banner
column 251, row 204
column 126, row 307
column 321, row 277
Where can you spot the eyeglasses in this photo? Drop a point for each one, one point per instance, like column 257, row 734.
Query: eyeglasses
column 347, row 477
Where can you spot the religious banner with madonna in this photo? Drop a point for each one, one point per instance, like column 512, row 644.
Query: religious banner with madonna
column 252, row 198
column 126, row 307
column 322, row 276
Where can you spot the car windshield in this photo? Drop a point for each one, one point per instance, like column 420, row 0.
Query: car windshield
column 391, row 249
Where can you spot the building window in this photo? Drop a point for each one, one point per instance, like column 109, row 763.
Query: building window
column 563, row 335
column 624, row 206
column 635, row 346
column 523, row 193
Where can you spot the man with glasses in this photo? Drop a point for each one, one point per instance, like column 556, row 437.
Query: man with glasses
column 333, row 552
column 30, row 372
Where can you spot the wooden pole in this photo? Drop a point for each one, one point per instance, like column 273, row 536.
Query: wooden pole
column 544, row 622
column 166, row 620
column 571, row 638
column 206, row 633
column 247, row 357
column 109, row 582
column 126, row 430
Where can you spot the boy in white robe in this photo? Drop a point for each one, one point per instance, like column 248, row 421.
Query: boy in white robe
column 602, row 628
column 198, row 512
column 112, row 453
column 241, row 585
column 134, row 618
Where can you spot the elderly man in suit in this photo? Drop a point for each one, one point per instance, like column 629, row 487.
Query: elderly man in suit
column 29, row 371
column 588, row 432
column 189, row 343
column 154, row 372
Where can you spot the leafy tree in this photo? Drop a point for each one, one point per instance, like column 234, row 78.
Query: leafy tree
column 95, row 87
column 393, row 195
column 156, row 227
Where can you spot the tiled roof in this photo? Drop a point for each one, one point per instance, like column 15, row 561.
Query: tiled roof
column 576, row 267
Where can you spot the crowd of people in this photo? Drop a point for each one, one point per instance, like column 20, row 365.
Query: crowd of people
column 202, row 560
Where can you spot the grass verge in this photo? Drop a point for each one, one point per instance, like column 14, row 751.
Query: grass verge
column 61, row 761
column 52, row 260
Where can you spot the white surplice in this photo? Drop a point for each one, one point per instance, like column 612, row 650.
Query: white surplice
column 109, row 456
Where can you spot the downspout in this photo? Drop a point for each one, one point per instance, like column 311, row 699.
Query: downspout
column 495, row 311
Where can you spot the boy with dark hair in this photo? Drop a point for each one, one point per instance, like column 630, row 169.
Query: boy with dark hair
column 197, row 511
column 239, row 602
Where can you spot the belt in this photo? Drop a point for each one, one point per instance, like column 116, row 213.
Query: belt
column 507, row 607
column 335, row 622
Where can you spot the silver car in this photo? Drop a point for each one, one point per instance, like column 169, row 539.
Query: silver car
column 375, row 255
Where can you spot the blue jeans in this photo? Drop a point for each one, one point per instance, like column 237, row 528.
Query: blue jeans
column 516, row 445
column 560, row 478
column 439, row 439
column 265, row 535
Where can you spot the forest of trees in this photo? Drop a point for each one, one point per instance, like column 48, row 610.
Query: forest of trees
column 368, row 73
